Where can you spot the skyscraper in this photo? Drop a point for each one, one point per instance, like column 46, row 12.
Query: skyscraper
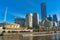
column 55, row 20
column 49, row 18
column 29, row 20
column 35, row 20
column 43, row 10
column 59, row 24
column 20, row 21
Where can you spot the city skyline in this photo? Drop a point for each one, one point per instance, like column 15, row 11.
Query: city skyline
column 19, row 8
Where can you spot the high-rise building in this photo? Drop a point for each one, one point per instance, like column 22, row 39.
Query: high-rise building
column 43, row 10
column 35, row 20
column 20, row 21
column 55, row 20
column 59, row 24
column 29, row 20
column 49, row 18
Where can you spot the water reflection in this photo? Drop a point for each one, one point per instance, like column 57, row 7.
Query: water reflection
column 20, row 37
column 42, row 38
column 56, row 37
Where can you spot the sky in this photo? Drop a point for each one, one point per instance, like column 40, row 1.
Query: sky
column 19, row 8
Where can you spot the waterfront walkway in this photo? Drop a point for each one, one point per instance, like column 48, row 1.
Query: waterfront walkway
column 25, row 35
column 33, row 34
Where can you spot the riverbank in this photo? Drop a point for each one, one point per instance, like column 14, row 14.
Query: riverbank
column 35, row 33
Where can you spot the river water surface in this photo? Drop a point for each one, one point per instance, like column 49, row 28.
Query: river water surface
column 29, row 37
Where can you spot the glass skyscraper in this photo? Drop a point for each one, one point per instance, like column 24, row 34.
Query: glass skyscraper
column 43, row 10
column 49, row 18
column 20, row 21
column 55, row 20
column 35, row 20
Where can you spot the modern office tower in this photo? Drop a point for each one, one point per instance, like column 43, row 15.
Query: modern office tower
column 20, row 21
column 55, row 20
column 43, row 10
column 59, row 24
column 35, row 20
column 29, row 20
column 49, row 18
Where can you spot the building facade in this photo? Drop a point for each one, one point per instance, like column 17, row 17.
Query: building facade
column 29, row 20
column 43, row 10
column 1, row 24
column 11, row 26
column 49, row 18
column 47, row 23
column 20, row 21
column 58, row 23
column 55, row 20
column 35, row 20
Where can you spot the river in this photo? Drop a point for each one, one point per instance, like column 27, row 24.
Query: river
column 30, row 37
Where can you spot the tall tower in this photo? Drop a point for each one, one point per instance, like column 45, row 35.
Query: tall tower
column 43, row 10
column 35, row 20
column 55, row 20
column 49, row 18
column 29, row 20
column 58, row 23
